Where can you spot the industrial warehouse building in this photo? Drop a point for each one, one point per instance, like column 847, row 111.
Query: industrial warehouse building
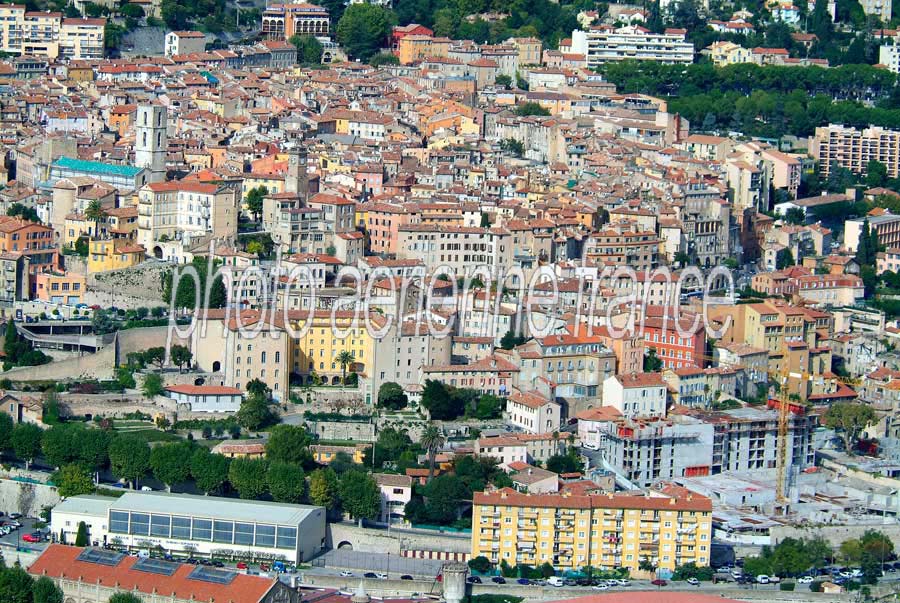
column 187, row 525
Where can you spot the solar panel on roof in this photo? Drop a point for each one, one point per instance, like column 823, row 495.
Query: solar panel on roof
column 212, row 574
column 155, row 566
column 100, row 556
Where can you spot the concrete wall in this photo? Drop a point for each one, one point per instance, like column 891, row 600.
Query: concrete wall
column 835, row 535
column 100, row 365
column 25, row 498
column 334, row 430
column 377, row 588
column 380, row 541
column 129, row 288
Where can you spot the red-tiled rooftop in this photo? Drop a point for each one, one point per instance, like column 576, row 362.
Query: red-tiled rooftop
column 60, row 560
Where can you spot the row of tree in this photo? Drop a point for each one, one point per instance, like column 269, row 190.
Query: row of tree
column 17, row 586
column 446, row 403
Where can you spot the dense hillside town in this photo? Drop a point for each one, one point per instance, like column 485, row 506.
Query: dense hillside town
column 483, row 302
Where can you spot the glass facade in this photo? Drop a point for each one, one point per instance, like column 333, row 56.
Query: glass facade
column 201, row 529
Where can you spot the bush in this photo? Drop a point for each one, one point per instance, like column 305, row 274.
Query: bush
column 786, row 586
column 480, row 564
column 816, row 586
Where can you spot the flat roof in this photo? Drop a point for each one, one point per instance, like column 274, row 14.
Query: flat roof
column 250, row 511
column 97, row 167
column 87, row 504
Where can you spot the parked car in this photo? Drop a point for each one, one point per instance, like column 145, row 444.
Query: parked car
column 263, row 567
column 473, row 580
column 570, row 582
column 600, row 587
column 31, row 537
column 623, row 582
column 406, row 577
column 346, row 574
column 555, row 581
column 241, row 565
column 805, row 580
column 370, row 575
column 693, row 581
column 659, row 583
column 498, row 580
column 15, row 515
column 380, row 576
column 523, row 581
column 762, row 579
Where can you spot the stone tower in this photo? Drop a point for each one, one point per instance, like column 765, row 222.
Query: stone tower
column 297, row 179
column 454, row 582
column 151, row 141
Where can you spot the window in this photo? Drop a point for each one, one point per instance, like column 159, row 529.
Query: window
column 202, row 529
column 181, row 527
column 140, row 524
column 159, row 525
column 222, row 531
column 265, row 535
column 243, row 533
column 118, row 522
column 287, row 537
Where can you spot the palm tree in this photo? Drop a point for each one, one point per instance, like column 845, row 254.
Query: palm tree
column 94, row 212
column 346, row 359
column 432, row 439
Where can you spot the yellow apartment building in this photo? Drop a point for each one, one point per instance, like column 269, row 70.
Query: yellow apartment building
column 325, row 453
column 113, row 254
column 315, row 350
column 601, row 530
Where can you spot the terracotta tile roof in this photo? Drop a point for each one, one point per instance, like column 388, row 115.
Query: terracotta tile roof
column 61, row 561
column 204, row 390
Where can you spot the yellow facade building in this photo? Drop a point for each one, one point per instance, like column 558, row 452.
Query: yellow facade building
column 316, row 349
column 113, row 254
column 601, row 530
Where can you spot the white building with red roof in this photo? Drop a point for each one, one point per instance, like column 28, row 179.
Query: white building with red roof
column 207, row 398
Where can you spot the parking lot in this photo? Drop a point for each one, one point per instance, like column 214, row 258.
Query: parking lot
column 13, row 540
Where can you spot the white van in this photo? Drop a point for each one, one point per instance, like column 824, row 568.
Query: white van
column 555, row 581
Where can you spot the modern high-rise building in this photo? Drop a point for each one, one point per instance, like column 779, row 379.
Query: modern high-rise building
column 854, row 149
column 668, row 528
column 151, row 140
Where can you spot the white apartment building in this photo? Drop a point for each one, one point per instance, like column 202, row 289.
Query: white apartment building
column 889, row 56
column 184, row 42
column 636, row 395
column 49, row 34
column 533, row 412
column 853, row 149
column 179, row 209
column 878, row 8
column 605, row 44
column 396, row 491
column 457, row 247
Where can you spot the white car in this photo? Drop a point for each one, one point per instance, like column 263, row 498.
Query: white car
column 805, row 580
column 856, row 573
column 693, row 582
column 380, row 576
column 846, row 574
column 346, row 574
column 623, row 582
column 774, row 579
column 600, row 587
column 762, row 579
column 590, row 446
column 612, row 582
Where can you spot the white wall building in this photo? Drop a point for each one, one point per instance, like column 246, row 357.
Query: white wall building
column 634, row 395
column 533, row 412
column 196, row 525
column 207, row 398
column 605, row 44
column 396, row 491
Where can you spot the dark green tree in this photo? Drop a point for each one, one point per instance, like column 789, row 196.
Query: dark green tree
column 391, row 396
column 530, row 108
column 81, row 536
column 363, row 28
column 289, row 444
column 255, row 413
column 876, row 174
column 360, row 496
column 210, row 471
column 652, row 363
column 26, row 441
column 256, row 195
column 248, row 477
column 324, row 488
column 45, row 590
column 129, row 458
column 73, row 480
column 171, row 463
column 15, row 585
column 286, row 482
column 309, row 52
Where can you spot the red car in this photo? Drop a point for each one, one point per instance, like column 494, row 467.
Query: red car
column 241, row 565
column 31, row 538
column 263, row 567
